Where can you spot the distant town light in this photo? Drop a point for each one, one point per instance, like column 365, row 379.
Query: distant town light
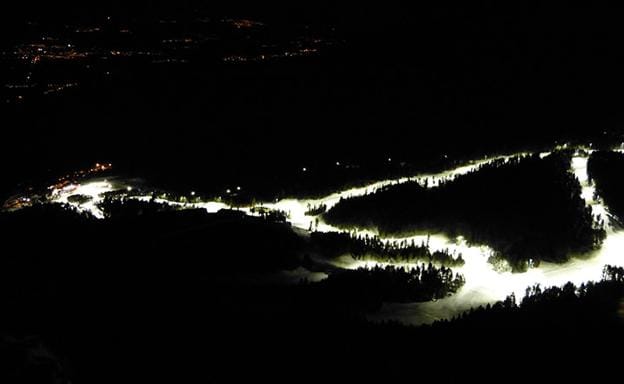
column 389, row 159
column 129, row 189
column 228, row 191
column 192, row 193
column 238, row 188
column 338, row 163
column 305, row 169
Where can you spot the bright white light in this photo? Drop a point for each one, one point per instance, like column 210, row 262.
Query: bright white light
column 212, row 207
column 95, row 190
column 193, row 193
column 483, row 285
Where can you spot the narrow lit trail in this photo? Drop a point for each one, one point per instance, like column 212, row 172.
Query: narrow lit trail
column 486, row 286
column 483, row 285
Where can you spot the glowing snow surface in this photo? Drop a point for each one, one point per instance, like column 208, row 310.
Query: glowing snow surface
column 95, row 190
column 483, row 283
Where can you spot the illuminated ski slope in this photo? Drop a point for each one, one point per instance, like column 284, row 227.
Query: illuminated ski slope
column 484, row 284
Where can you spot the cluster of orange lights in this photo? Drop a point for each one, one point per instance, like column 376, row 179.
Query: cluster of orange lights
column 245, row 23
column 17, row 202
column 100, row 167
column 66, row 180
column 34, row 53
column 272, row 56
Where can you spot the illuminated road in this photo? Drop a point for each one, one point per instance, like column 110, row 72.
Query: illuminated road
column 483, row 285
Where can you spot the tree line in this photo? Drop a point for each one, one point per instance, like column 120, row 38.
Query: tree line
column 604, row 169
column 367, row 247
column 591, row 304
column 527, row 208
column 368, row 288
column 315, row 210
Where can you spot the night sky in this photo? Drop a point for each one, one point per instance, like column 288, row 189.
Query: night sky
column 450, row 78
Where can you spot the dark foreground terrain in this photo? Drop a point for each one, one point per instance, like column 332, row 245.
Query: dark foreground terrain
column 162, row 294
